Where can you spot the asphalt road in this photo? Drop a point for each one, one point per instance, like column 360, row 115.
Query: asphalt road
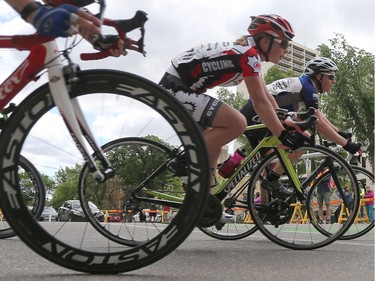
column 203, row 258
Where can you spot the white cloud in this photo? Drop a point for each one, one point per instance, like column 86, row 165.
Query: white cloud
column 175, row 26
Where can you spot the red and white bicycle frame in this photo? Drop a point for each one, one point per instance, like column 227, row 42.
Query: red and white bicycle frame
column 44, row 54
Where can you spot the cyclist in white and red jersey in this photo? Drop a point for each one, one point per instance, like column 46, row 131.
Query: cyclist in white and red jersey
column 227, row 64
column 291, row 94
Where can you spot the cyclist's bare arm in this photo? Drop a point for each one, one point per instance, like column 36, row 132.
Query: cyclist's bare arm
column 270, row 97
column 329, row 131
column 262, row 105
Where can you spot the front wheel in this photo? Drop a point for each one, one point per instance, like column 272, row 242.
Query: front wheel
column 295, row 222
column 115, row 105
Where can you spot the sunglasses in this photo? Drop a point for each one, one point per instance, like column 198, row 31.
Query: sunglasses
column 283, row 43
column 331, row 77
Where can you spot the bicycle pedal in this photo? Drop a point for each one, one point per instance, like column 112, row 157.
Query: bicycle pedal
column 219, row 226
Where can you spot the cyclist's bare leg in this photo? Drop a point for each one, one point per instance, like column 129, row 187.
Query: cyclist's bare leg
column 328, row 214
column 293, row 157
column 227, row 125
column 320, row 211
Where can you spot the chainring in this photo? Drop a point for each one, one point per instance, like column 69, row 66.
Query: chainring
column 278, row 212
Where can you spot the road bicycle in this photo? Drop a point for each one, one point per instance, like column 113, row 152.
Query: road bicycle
column 244, row 225
column 31, row 184
column 275, row 216
column 62, row 123
column 229, row 194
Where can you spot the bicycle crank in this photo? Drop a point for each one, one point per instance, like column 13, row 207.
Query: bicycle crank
column 212, row 213
column 278, row 212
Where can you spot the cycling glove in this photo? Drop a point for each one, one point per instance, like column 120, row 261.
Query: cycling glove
column 55, row 21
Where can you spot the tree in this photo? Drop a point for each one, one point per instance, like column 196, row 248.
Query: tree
column 351, row 103
column 236, row 100
column 136, row 164
column 275, row 73
column 50, row 186
column 66, row 182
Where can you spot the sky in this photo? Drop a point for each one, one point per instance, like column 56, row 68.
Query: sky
column 176, row 26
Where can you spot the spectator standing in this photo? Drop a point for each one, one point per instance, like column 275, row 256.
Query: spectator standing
column 166, row 214
column 369, row 194
column 153, row 211
column 324, row 195
column 257, row 197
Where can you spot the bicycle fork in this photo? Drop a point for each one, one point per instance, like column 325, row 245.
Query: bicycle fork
column 71, row 113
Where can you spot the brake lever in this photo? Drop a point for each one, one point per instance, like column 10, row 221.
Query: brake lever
column 138, row 21
column 301, row 127
column 122, row 27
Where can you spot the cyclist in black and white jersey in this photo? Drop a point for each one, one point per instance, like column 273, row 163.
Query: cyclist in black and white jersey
column 295, row 92
column 227, row 64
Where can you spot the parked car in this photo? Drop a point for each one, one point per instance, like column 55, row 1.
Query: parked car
column 71, row 211
column 49, row 214
column 114, row 217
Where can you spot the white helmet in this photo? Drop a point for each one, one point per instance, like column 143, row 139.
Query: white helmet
column 319, row 65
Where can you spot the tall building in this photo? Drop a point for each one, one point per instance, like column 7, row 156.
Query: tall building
column 296, row 59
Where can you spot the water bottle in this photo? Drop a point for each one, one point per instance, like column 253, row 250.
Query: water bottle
column 229, row 165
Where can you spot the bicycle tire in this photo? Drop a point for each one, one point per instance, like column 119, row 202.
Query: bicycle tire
column 34, row 195
column 233, row 204
column 276, row 218
column 357, row 230
column 360, row 228
column 130, row 104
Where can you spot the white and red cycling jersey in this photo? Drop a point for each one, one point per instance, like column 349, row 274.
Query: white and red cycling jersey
column 217, row 64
